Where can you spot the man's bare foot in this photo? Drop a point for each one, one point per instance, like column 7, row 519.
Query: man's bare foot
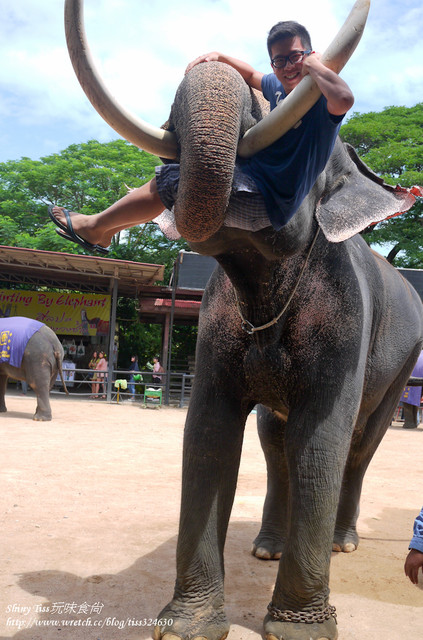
column 87, row 227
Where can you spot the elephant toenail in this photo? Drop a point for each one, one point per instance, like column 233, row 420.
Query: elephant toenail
column 156, row 633
column 262, row 553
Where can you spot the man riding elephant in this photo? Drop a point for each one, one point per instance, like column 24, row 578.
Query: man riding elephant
column 277, row 178
column 271, row 184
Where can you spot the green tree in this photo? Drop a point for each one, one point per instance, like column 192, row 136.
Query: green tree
column 391, row 143
column 143, row 340
column 87, row 178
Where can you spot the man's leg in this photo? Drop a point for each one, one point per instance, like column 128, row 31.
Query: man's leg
column 138, row 206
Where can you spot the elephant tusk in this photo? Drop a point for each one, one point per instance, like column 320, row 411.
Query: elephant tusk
column 152, row 139
column 306, row 94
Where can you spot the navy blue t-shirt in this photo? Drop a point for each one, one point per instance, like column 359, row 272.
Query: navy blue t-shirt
column 286, row 170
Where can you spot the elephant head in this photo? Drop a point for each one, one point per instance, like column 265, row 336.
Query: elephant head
column 212, row 109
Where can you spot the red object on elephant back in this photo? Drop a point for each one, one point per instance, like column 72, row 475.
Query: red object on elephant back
column 415, row 191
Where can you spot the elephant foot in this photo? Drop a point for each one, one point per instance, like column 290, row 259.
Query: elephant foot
column 3, row 410
column 289, row 630
column 267, row 547
column 264, row 553
column 345, row 542
column 178, row 621
column 39, row 417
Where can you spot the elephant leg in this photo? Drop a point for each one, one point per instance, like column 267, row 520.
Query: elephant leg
column 300, row 606
column 212, row 448
column 40, row 384
column 269, row 543
column 364, row 443
column 410, row 416
column 3, row 386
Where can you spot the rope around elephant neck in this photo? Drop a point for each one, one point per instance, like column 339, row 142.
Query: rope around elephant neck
column 247, row 326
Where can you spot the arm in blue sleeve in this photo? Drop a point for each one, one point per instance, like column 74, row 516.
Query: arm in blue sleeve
column 417, row 540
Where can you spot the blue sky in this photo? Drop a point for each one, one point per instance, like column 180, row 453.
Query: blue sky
column 143, row 46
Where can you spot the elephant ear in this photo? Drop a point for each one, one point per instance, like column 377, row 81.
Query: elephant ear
column 359, row 199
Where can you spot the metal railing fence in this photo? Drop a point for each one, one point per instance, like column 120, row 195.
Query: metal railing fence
column 176, row 386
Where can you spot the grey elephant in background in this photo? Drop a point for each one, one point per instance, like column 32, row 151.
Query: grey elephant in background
column 38, row 363
column 306, row 322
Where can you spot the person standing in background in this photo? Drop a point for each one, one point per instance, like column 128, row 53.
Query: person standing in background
column 102, row 366
column 133, row 367
column 93, row 365
column 157, row 370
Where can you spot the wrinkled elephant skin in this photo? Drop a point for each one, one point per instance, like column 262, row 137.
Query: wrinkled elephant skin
column 327, row 376
column 41, row 362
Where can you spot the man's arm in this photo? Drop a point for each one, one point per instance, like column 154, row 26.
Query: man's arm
column 250, row 75
column 338, row 94
column 414, row 560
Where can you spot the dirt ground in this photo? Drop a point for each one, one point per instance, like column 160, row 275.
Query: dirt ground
column 89, row 518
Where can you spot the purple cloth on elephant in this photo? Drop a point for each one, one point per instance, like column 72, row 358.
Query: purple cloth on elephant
column 14, row 335
column 412, row 395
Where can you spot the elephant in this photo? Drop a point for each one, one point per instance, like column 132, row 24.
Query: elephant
column 309, row 324
column 411, row 397
column 36, row 357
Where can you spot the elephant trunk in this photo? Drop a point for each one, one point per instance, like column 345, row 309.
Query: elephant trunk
column 209, row 113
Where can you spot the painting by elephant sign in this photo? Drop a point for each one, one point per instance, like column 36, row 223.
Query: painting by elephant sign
column 77, row 314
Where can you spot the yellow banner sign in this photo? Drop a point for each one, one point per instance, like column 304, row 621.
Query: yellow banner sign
column 73, row 314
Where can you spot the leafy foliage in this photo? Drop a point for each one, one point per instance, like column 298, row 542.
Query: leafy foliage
column 142, row 340
column 145, row 340
column 88, row 178
column 391, row 143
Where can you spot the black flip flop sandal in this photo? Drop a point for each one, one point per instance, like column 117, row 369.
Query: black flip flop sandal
column 67, row 233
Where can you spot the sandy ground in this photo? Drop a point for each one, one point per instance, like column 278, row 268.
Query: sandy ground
column 89, row 517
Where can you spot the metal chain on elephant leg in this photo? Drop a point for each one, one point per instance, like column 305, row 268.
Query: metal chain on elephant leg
column 307, row 617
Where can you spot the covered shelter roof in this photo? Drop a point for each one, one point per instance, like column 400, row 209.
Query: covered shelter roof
column 91, row 274
column 71, row 271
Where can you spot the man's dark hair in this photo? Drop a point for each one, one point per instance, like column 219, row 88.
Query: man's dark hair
column 288, row 29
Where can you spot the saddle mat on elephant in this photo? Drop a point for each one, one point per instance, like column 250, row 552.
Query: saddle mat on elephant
column 246, row 208
column 14, row 335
